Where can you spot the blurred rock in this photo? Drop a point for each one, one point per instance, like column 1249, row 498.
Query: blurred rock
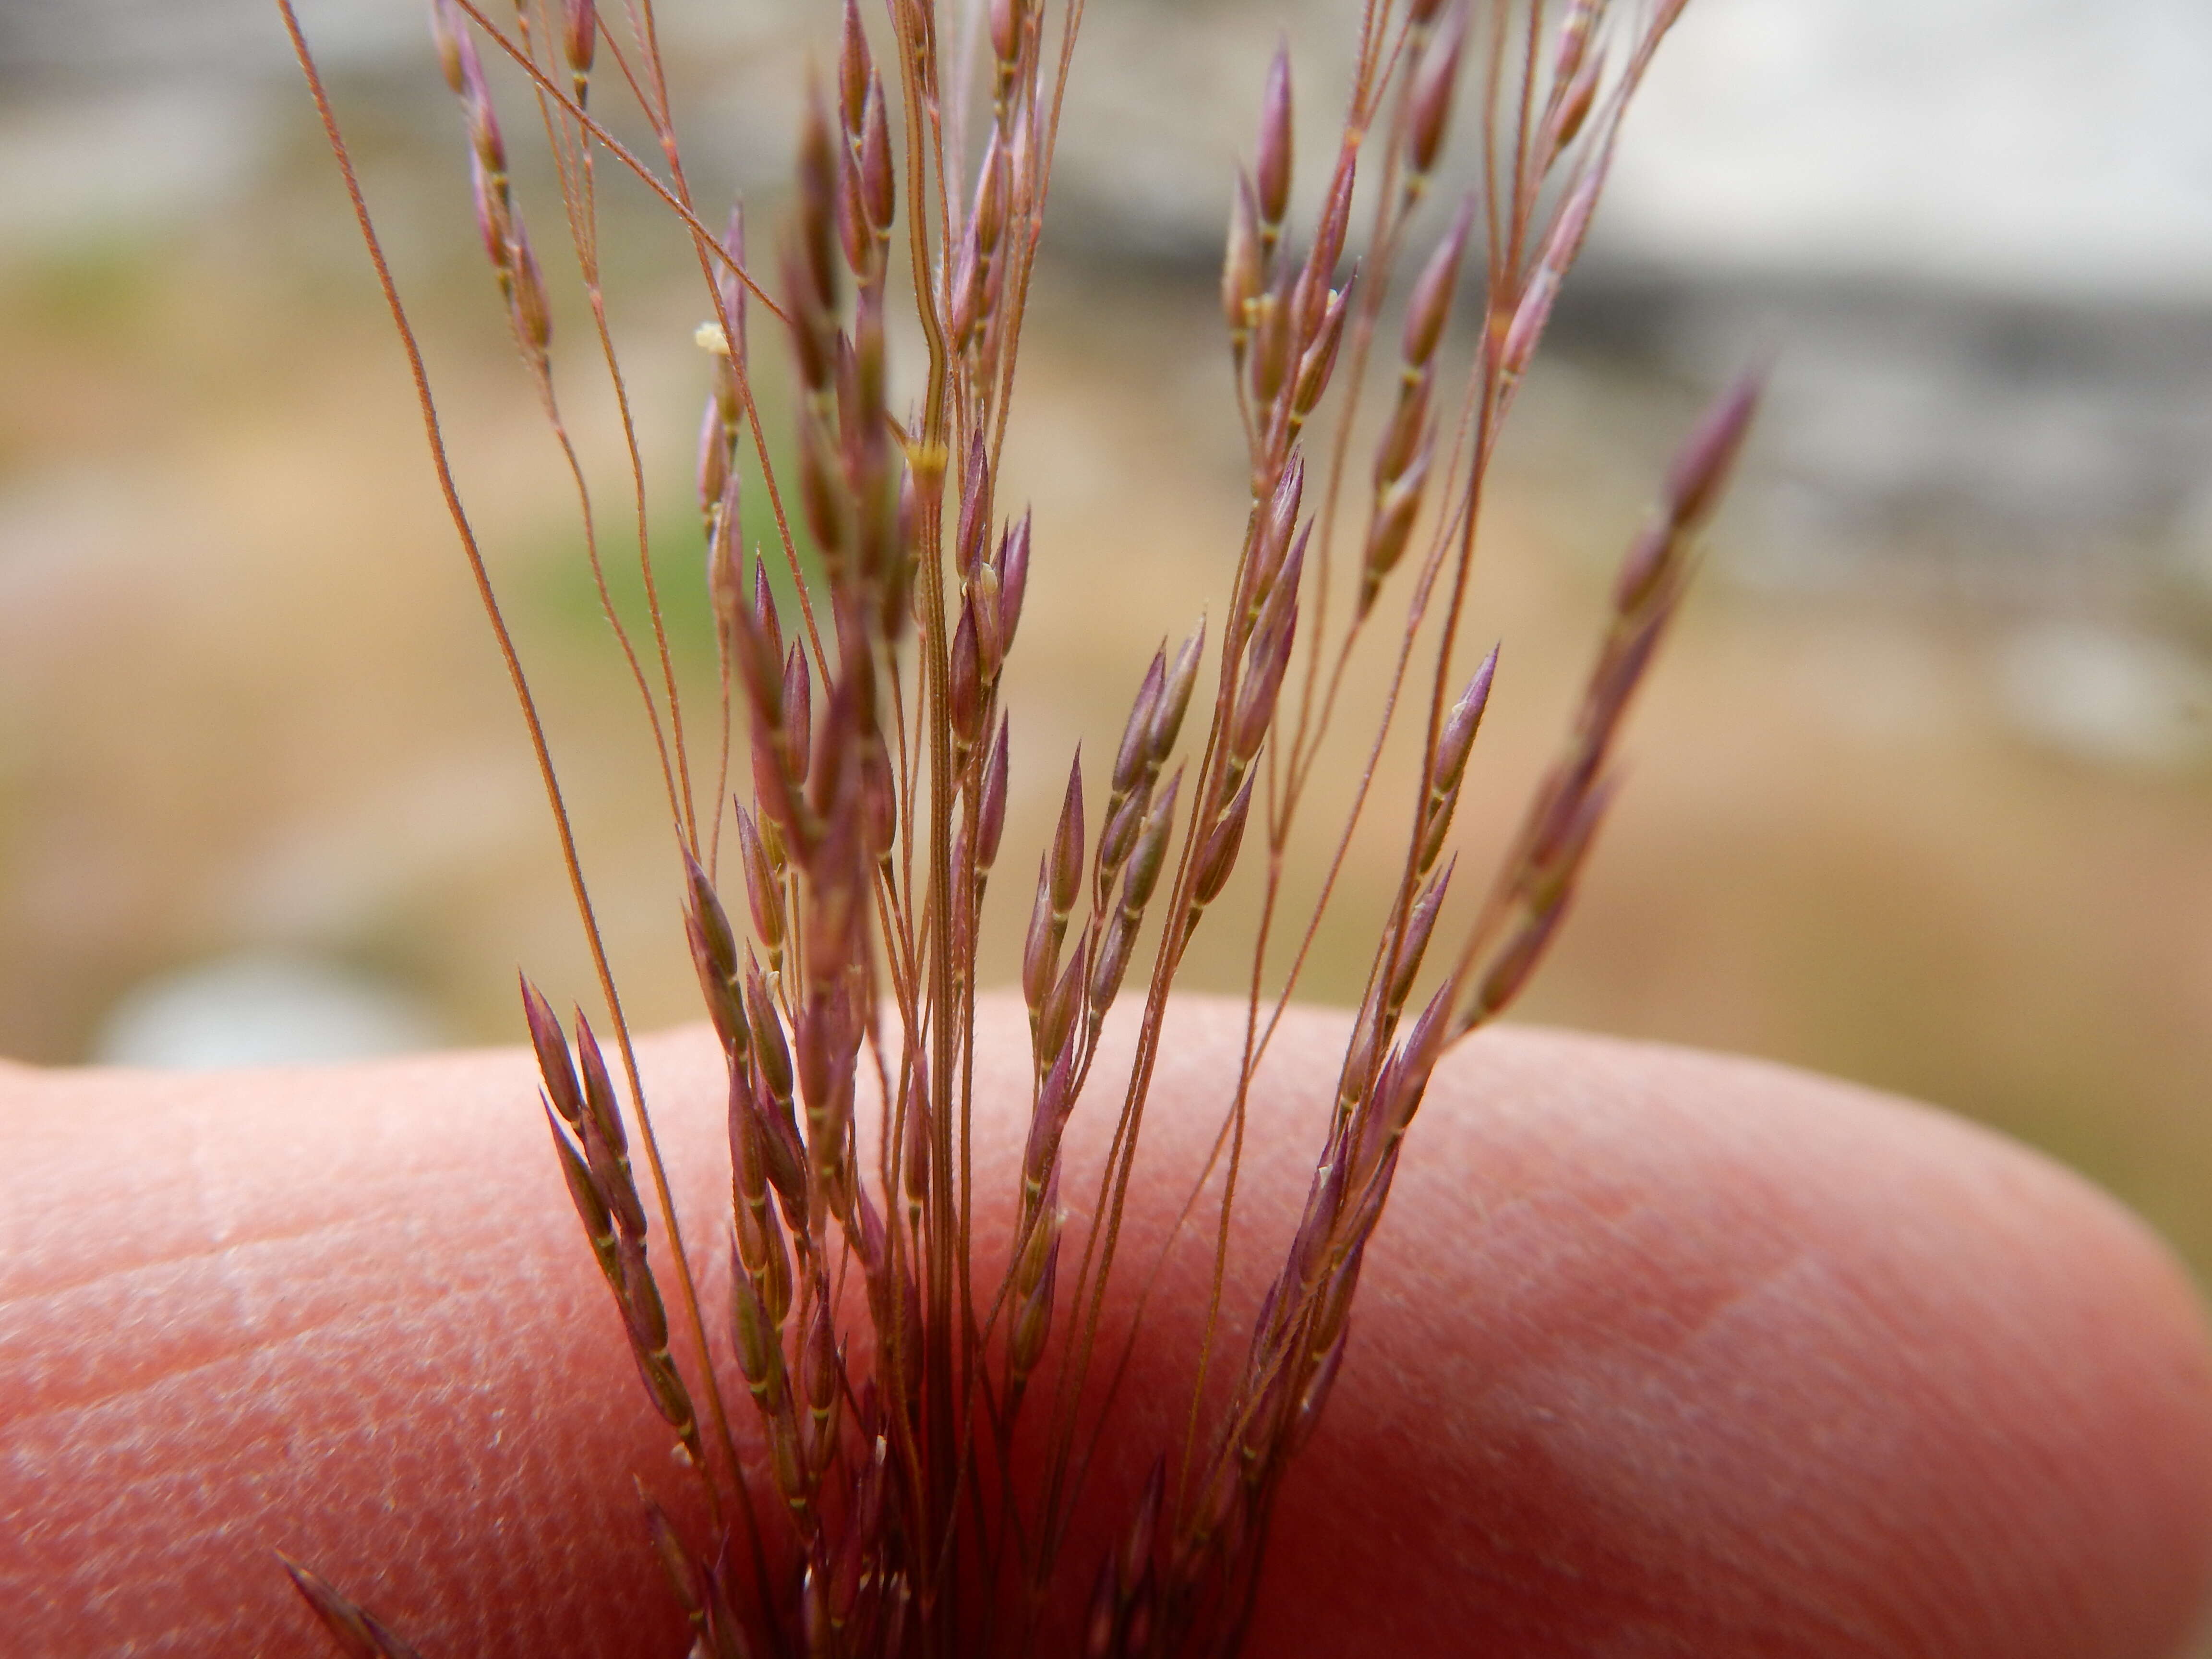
column 2102, row 695
column 2022, row 449
column 2050, row 150
column 262, row 1009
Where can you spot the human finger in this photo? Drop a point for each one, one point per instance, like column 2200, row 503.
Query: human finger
column 1654, row 1346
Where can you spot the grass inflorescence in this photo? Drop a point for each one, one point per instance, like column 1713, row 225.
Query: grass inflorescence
column 900, row 1462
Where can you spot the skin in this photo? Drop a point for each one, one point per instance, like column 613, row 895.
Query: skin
column 1655, row 1353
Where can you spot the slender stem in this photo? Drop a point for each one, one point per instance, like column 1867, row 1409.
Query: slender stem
column 687, row 1288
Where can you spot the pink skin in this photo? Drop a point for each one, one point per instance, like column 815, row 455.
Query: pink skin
column 1656, row 1353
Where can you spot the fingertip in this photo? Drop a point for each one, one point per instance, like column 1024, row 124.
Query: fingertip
column 1669, row 1353
column 338, row 1313
column 1655, row 1352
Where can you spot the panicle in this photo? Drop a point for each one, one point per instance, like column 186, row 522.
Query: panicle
column 880, row 797
column 1565, row 817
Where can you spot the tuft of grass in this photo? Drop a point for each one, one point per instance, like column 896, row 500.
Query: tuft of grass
column 923, row 1413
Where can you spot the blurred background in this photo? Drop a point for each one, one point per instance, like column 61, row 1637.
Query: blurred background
column 1922, row 795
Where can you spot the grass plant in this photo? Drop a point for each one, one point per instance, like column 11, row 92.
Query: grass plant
column 895, row 1452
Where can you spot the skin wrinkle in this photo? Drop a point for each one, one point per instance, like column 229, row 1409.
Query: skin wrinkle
column 44, row 1240
column 1691, row 1441
column 1750, row 1415
column 87, row 1405
column 199, row 1161
column 307, row 1289
column 144, row 1297
column 124, row 1272
column 1666, row 1433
